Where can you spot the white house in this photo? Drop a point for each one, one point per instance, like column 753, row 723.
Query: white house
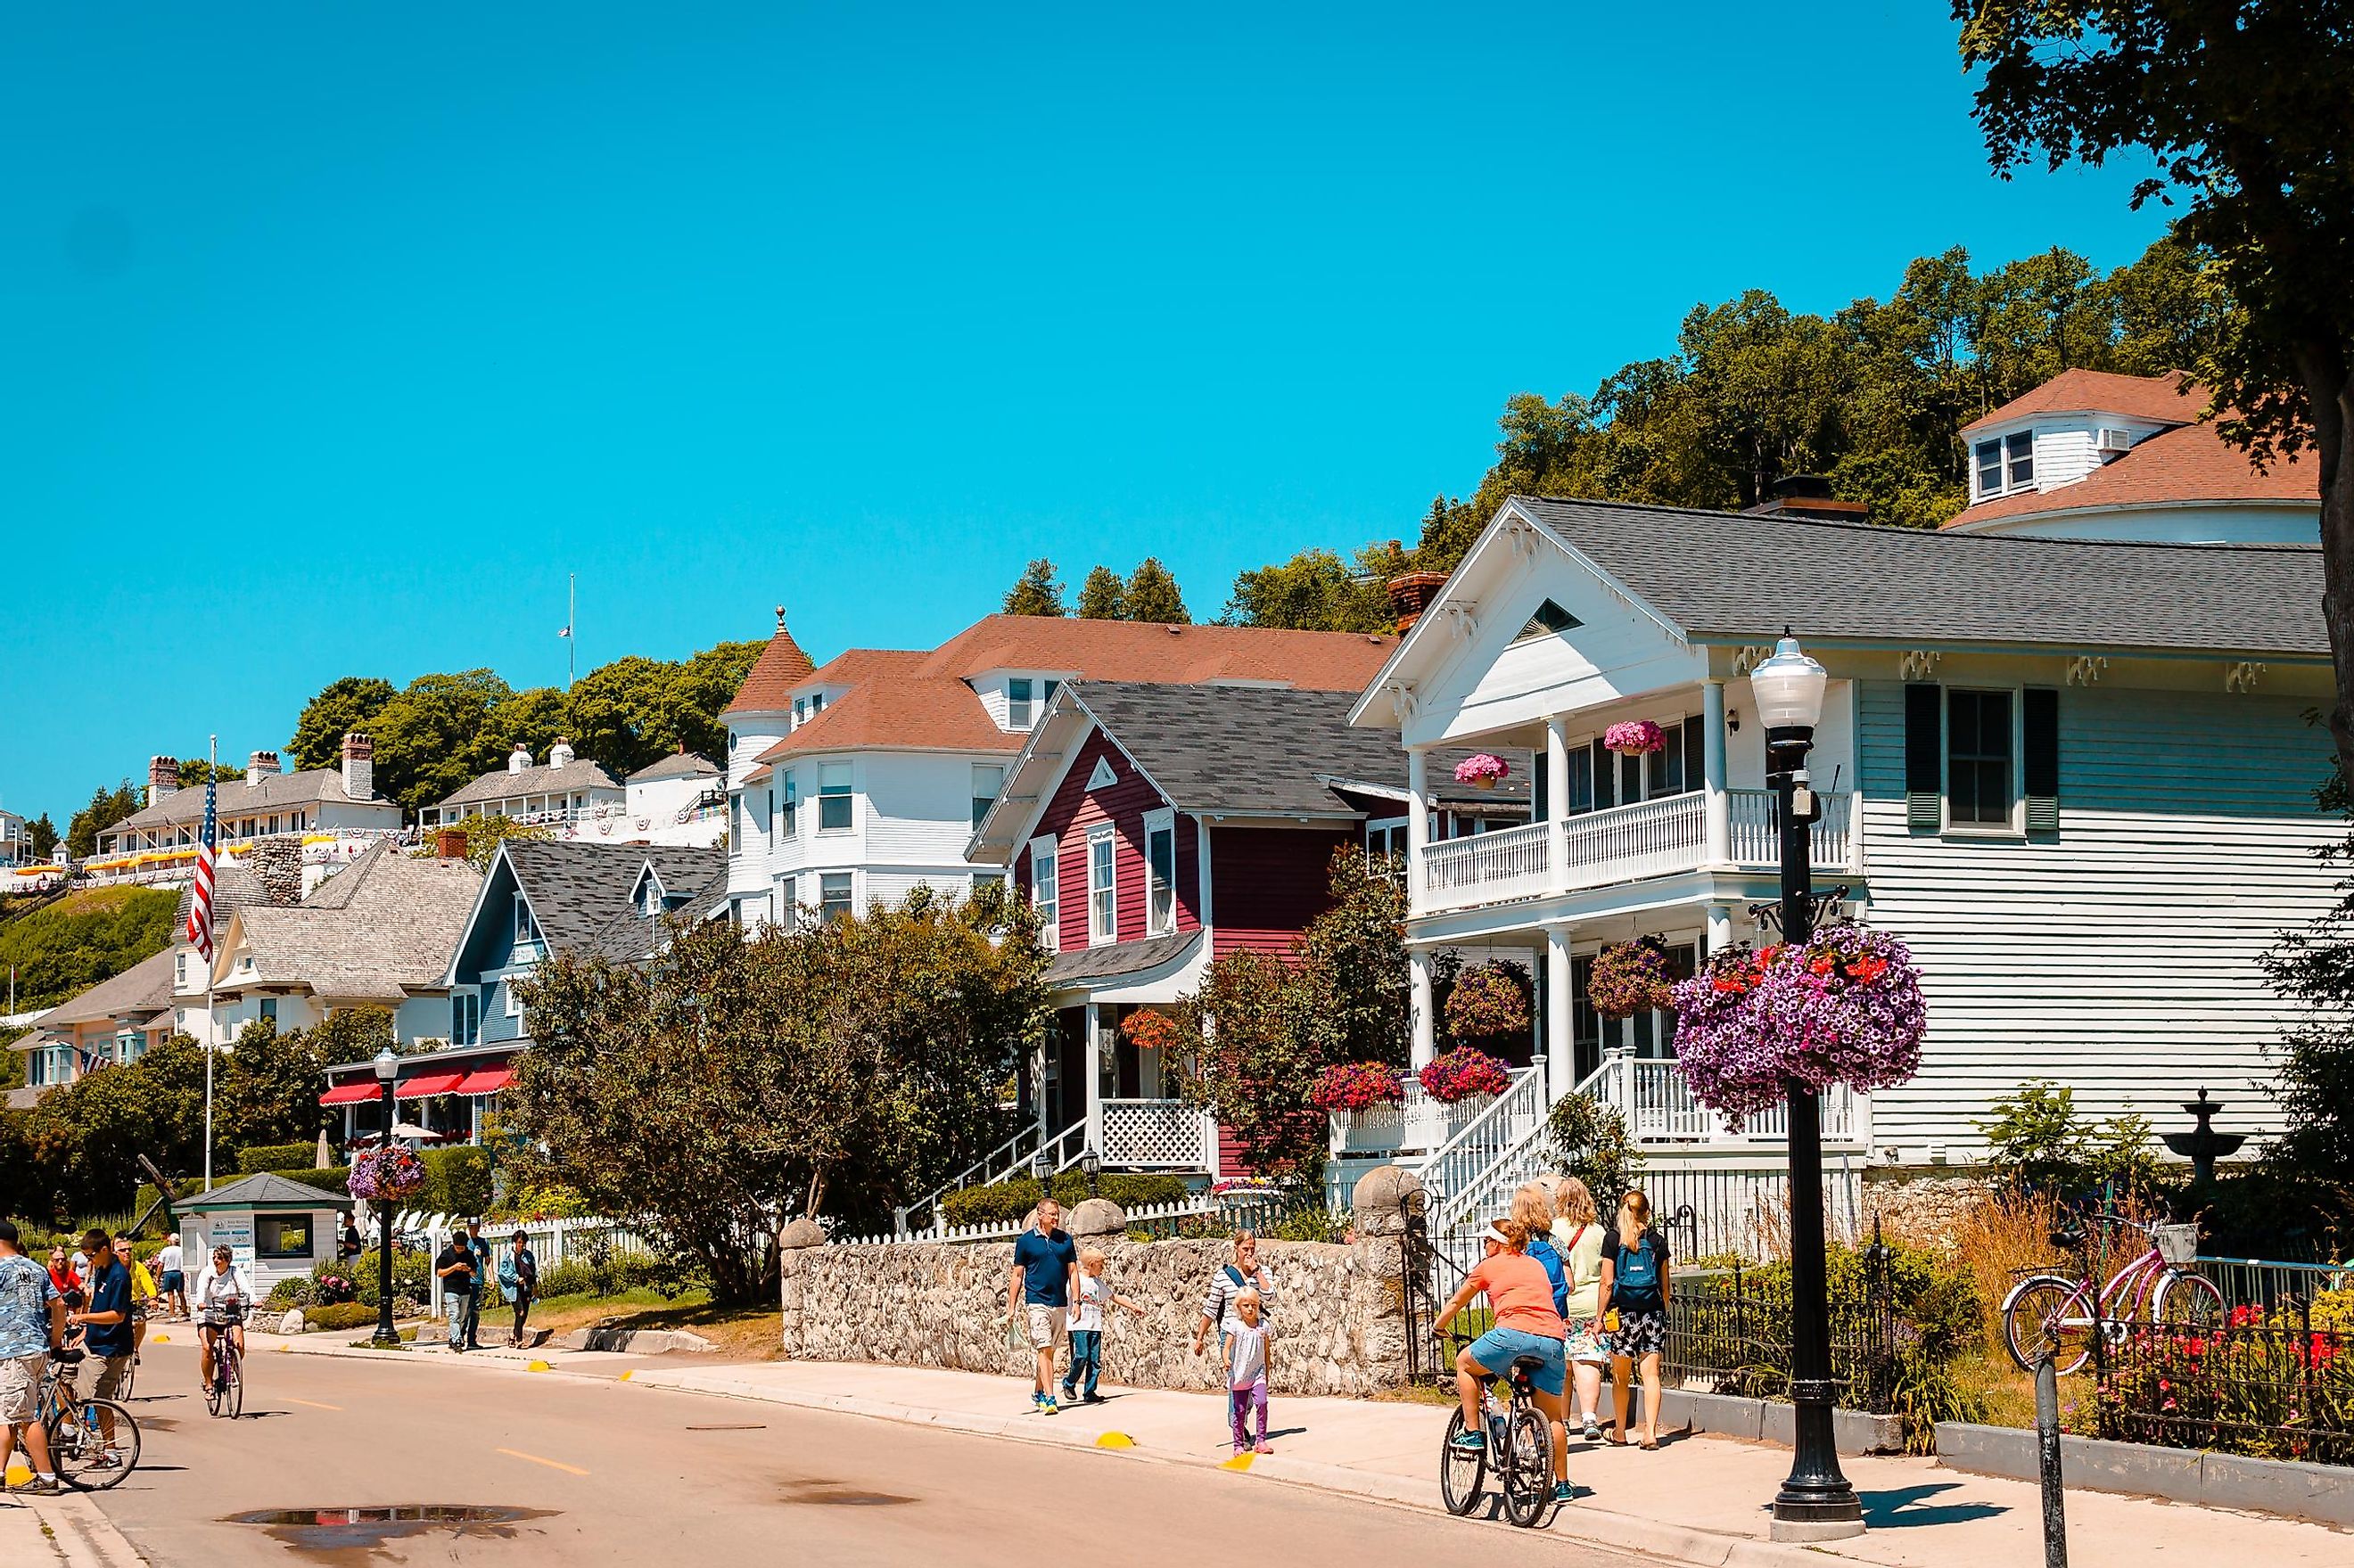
column 2093, row 455
column 563, row 793
column 680, row 801
column 334, row 813
column 858, row 780
column 2077, row 776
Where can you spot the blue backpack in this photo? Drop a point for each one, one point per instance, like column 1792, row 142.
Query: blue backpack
column 1635, row 1285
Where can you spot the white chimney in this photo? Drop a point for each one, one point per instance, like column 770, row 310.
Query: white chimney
column 359, row 767
column 519, row 758
column 259, row 765
column 163, row 779
column 560, row 754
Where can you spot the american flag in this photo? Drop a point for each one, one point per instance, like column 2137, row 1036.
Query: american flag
column 200, row 907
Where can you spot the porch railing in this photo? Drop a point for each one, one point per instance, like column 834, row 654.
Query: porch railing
column 1659, row 1107
column 1754, row 826
column 1415, row 1124
column 1156, row 1135
column 1461, row 1174
column 1488, row 868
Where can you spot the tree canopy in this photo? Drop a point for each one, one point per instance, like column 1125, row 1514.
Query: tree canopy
column 91, row 935
column 1037, row 591
column 1151, row 595
column 1103, row 597
column 106, row 808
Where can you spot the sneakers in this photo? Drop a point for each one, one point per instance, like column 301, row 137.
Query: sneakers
column 40, row 1487
column 1091, row 1397
column 1469, row 1442
column 1070, row 1394
column 1048, row 1406
column 1593, row 1430
column 1564, row 1492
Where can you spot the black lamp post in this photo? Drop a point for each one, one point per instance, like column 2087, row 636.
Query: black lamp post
column 1816, row 1502
column 388, row 1070
column 1091, row 1167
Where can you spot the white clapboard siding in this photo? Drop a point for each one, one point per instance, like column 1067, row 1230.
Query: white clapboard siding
column 2119, row 956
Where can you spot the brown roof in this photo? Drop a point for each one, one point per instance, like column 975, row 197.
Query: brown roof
column 2188, row 463
column 915, row 699
column 780, row 667
column 2172, row 398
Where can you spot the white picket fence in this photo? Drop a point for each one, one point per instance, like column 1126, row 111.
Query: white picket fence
column 552, row 1242
column 1006, row 1230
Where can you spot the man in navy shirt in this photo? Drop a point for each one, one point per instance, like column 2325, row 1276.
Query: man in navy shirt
column 105, row 1323
column 1038, row 1293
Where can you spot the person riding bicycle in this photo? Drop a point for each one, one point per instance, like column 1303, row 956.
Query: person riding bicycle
column 219, row 1301
column 1527, row 1327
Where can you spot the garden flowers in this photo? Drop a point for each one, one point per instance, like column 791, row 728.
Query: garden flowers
column 1355, row 1087
column 1628, row 978
column 386, row 1175
column 1463, row 1073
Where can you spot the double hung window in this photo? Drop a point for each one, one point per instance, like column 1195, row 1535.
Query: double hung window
column 834, row 896
column 1020, row 703
column 1045, row 891
column 833, row 798
column 987, row 779
column 1103, row 888
column 1979, row 759
column 1160, row 873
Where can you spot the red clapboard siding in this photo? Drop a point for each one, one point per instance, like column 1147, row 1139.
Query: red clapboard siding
column 1075, row 808
column 1266, row 885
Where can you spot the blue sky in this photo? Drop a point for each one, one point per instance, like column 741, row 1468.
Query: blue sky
column 337, row 334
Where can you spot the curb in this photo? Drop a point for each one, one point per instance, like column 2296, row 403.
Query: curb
column 84, row 1536
column 1595, row 1526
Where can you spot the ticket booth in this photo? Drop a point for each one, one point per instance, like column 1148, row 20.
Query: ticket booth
column 275, row 1228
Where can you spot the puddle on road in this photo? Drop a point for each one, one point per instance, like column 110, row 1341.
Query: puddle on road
column 353, row 1534
column 838, row 1495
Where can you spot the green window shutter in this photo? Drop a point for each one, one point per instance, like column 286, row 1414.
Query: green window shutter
column 2039, row 716
column 1923, row 757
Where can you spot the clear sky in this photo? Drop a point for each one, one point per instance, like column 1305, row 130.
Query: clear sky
column 334, row 336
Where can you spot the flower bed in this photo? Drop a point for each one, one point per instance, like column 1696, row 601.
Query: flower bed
column 1628, row 978
column 1463, row 1073
column 1355, row 1087
column 2273, row 1387
column 1845, row 1009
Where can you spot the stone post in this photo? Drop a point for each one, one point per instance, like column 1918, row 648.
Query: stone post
column 792, row 1245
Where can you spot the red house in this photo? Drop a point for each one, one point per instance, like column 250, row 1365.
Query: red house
column 1157, row 827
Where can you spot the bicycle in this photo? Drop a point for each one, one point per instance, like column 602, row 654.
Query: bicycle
column 1519, row 1447
column 225, row 1395
column 77, row 1428
column 2055, row 1315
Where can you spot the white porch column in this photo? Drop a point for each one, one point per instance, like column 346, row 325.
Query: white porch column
column 1417, row 836
column 1426, row 1025
column 1092, row 1100
column 1720, row 927
column 1556, row 802
column 1561, row 1054
column 1719, row 829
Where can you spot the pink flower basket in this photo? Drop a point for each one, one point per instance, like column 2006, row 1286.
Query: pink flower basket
column 1463, row 1073
column 1845, row 1009
column 1355, row 1087
column 1635, row 738
column 1482, row 770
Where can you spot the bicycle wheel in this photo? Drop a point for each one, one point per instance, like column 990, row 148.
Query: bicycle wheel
column 78, row 1449
column 233, row 1398
column 2048, row 1315
column 1462, row 1475
column 2188, row 1300
column 1527, row 1467
column 130, row 1377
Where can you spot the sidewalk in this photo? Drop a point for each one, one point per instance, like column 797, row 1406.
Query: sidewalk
column 66, row 1531
column 1698, row 1499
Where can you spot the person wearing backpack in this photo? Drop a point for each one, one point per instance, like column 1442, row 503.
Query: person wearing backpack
column 1635, row 1264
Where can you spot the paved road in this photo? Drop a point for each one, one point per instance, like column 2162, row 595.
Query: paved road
column 613, row 1473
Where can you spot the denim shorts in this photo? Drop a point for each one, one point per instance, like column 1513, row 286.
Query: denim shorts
column 1498, row 1347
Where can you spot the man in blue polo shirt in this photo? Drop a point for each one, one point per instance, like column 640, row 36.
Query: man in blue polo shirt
column 105, row 1323
column 1038, row 1293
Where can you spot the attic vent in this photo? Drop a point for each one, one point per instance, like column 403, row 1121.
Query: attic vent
column 1549, row 620
column 1103, row 778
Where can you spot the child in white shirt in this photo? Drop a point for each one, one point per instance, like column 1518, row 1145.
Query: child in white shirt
column 1087, row 1326
column 1249, row 1358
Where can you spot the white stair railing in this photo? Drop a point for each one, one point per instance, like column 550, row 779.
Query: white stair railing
column 1455, row 1173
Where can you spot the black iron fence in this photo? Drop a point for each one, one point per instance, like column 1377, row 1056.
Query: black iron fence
column 1729, row 1333
column 2269, row 1384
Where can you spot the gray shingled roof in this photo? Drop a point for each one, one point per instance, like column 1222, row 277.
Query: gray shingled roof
column 506, row 784
column 1116, row 958
column 578, row 892
column 381, row 926
column 677, row 765
column 266, row 1190
column 234, row 887
column 140, row 991
column 1719, row 575
column 276, row 793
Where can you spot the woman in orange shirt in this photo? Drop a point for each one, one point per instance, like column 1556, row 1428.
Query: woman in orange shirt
column 1521, row 1292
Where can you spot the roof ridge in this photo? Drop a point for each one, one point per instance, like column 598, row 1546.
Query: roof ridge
column 1892, row 529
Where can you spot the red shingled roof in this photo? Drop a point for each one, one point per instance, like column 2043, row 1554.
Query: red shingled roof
column 2158, row 398
column 918, row 699
column 2189, row 463
column 780, row 667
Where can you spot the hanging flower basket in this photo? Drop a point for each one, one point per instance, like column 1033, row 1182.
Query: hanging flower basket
column 386, row 1175
column 1482, row 770
column 1150, row 1031
column 1463, row 1073
column 1845, row 1009
column 1636, row 739
column 1487, row 1003
column 1355, row 1087
column 1628, row 978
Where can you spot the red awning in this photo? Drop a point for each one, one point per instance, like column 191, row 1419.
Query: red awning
column 350, row 1094
column 425, row 1085
column 488, row 1081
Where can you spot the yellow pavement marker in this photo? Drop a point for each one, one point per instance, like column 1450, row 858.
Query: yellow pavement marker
column 1115, row 1440
column 161, row 1338
column 625, row 1376
column 551, row 1464
column 536, row 1366
column 1239, row 1462
column 18, row 1471
column 313, row 1404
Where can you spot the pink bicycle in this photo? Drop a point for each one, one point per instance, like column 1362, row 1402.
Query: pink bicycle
column 2055, row 1315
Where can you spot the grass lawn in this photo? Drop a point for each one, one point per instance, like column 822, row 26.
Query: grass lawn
column 740, row 1334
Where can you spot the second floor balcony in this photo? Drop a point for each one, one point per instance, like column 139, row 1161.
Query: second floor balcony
column 1663, row 837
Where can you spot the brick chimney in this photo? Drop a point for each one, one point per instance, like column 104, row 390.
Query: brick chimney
column 259, row 764
column 163, row 779
column 359, row 767
column 1411, row 593
column 519, row 758
column 450, row 843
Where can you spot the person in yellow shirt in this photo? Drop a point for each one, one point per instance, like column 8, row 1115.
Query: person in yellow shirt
column 142, row 1294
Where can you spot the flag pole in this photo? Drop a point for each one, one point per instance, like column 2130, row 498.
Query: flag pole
column 213, row 763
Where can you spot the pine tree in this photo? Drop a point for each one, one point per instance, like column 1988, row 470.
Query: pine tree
column 1153, row 595
column 1037, row 592
column 1103, row 597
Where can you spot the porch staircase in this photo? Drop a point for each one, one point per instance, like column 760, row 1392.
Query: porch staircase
column 1017, row 1156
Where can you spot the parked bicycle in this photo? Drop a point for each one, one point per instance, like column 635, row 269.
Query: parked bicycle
column 77, row 1428
column 2056, row 1315
column 1519, row 1449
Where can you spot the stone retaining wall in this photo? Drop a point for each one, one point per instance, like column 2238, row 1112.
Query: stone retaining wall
column 1339, row 1320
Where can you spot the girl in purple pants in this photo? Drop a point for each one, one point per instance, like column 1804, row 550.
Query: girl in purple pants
column 1247, row 1365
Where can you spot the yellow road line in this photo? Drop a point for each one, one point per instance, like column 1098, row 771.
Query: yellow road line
column 551, row 1464
column 313, row 1404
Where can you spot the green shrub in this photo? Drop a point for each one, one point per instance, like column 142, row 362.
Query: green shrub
column 611, row 1274
column 288, row 1292
column 410, row 1271
column 346, row 1315
column 461, row 1180
column 1005, row 1202
column 1311, row 1226
column 280, row 1157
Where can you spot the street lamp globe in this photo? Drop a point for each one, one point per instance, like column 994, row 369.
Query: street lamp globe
column 387, row 1065
column 1790, row 687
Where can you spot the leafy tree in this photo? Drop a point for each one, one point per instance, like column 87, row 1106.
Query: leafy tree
column 1360, row 945
column 90, row 936
column 350, row 703
column 2243, row 109
column 1591, row 1142
column 195, row 772
column 435, row 736
column 84, row 1139
column 841, row 1069
column 1037, row 592
column 1103, row 597
column 1151, row 595
column 106, row 808
column 41, row 837
column 267, row 1089
column 1256, row 1033
column 1313, row 591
